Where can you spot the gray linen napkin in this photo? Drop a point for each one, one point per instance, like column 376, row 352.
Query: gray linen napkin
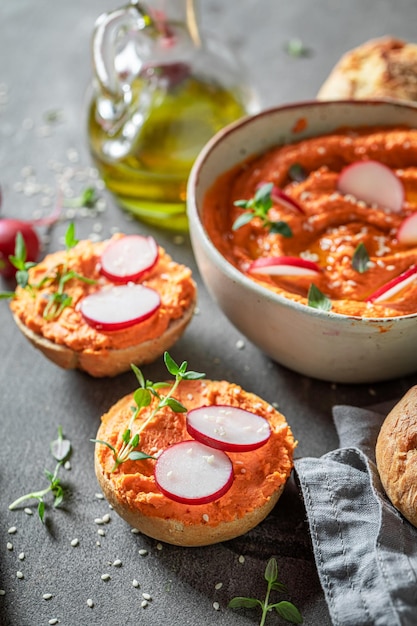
column 365, row 551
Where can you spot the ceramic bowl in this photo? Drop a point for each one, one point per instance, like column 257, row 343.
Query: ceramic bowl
column 313, row 342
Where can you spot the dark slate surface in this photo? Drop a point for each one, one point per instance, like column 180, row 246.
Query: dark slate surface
column 45, row 66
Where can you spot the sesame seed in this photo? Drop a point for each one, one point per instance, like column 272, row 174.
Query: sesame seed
column 117, row 563
column 74, row 543
column 67, row 465
column 47, row 596
column 135, row 583
column 146, row 596
column 21, row 556
column 12, row 530
column 205, row 517
column 218, row 586
column 105, row 577
column 90, row 603
column 106, row 518
column 241, row 559
column 216, row 606
column 9, row 546
column 2, row 592
column 98, row 520
column 143, row 552
column 99, row 496
column 28, row 511
column 240, row 344
column 159, row 546
column 101, row 532
column 19, row 575
column 134, row 531
column 53, row 621
column 143, row 603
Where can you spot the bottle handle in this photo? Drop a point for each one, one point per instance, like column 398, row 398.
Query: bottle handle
column 111, row 31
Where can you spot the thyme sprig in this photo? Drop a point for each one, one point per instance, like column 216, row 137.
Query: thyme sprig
column 286, row 610
column 143, row 397
column 61, row 450
column 317, row 300
column 58, row 299
column 259, row 206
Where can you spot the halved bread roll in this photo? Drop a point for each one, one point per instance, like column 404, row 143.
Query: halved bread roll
column 396, row 455
column 259, row 475
column 380, row 68
column 70, row 342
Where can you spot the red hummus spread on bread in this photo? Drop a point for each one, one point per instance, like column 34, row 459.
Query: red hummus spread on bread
column 171, row 280
column 257, row 474
column 331, row 224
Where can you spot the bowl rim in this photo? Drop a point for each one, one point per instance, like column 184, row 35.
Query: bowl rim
column 230, row 270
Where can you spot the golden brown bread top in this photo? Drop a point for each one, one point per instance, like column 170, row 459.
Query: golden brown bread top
column 379, row 68
column 396, row 455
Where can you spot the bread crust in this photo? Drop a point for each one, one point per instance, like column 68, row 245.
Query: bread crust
column 173, row 531
column 396, row 455
column 109, row 362
column 379, row 68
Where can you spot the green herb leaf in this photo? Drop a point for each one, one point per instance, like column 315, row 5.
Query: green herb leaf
column 170, row 364
column 142, row 397
column 126, row 435
column 138, row 374
column 244, row 603
column 297, row 173
column 317, row 300
column 6, row 295
column 280, row 228
column 41, row 510
column 70, row 239
column 61, row 447
column 271, row 571
column 104, row 443
column 360, row 259
column 288, row 611
column 176, row 406
column 295, row 48
column 242, row 220
column 137, row 455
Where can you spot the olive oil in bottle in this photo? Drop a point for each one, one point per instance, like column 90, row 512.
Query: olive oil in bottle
column 159, row 97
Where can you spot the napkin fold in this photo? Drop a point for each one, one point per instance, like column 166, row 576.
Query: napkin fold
column 365, row 551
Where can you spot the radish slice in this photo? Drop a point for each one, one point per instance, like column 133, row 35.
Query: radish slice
column 192, row 473
column 373, row 183
column 407, row 232
column 126, row 259
column 284, row 266
column 119, row 307
column 393, row 286
column 228, row 428
column 280, row 197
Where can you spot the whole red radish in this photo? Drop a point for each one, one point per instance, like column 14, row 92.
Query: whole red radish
column 9, row 228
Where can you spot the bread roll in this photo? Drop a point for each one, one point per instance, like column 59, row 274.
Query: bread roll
column 259, row 475
column 70, row 342
column 379, row 68
column 396, row 455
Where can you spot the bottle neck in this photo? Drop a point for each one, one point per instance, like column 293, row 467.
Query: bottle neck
column 169, row 15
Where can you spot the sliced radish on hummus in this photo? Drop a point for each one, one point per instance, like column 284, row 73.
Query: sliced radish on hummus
column 119, row 307
column 228, row 428
column 193, row 473
column 407, row 232
column 374, row 183
column 284, row 266
column 280, row 197
column 392, row 287
column 126, row 259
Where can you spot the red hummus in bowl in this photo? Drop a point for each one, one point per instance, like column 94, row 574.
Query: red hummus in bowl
column 350, row 333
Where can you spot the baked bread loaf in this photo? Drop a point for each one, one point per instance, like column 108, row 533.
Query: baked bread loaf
column 379, row 68
column 259, row 475
column 70, row 342
column 396, row 455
